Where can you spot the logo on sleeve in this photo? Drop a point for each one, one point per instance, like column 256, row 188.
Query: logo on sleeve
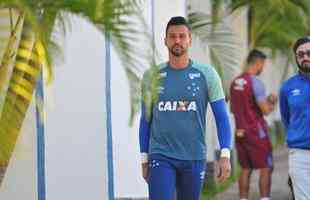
column 194, row 75
column 296, row 92
column 179, row 106
column 163, row 74
column 239, row 84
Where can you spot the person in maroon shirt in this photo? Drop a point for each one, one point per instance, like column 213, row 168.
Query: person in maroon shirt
column 249, row 104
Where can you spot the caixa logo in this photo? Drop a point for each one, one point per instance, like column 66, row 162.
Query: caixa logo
column 179, row 106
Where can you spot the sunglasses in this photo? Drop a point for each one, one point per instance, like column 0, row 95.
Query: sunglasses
column 301, row 54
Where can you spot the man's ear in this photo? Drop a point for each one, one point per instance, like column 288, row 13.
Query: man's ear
column 165, row 41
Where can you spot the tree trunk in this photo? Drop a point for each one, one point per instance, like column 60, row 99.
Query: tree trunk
column 25, row 73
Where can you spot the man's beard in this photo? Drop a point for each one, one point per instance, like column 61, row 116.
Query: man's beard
column 177, row 50
column 304, row 67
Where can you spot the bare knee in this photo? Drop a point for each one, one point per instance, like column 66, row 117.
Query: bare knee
column 266, row 171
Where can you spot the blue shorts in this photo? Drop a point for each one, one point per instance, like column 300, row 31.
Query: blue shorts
column 170, row 177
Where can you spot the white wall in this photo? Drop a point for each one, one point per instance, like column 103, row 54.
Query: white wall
column 164, row 10
column 239, row 20
column 128, row 181
column 127, row 178
column 76, row 149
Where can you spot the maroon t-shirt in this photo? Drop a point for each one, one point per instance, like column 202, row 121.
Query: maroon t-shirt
column 248, row 115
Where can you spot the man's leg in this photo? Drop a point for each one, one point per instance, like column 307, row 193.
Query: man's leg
column 299, row 171
column 244, row 183
column 246, row 165
column 190, row 178
column 162, row 178
column 261, row 158
column 265, row 182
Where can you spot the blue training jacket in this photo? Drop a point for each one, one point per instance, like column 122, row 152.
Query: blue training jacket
column 295, row 110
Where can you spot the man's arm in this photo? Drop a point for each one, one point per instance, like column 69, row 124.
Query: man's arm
column 220, row 112
column 265, row 103
column 219, row 108
column 144, row 139
column 284, row 109
column 145, row 123
column 144, row 135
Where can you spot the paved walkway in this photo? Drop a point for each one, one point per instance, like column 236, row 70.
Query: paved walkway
column 279, row 190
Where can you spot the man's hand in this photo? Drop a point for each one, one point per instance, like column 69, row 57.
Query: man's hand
column 224, row 169
column 272, row 98
column 145, row 171
column 240, row 133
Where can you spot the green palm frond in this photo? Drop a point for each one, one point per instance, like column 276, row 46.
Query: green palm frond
column 127, row 37
column 10, row 38
column 279, row 32
column 274, row 18
column 217, row 10
column 120, row 19
column 20, row 91
column 223, row 44
column 41, row 19
column 274, row 24
column 5, row 28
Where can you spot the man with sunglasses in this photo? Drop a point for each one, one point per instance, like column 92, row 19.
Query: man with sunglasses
column 295, row 113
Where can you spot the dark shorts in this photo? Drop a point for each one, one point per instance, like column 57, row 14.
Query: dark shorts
column 254, row 150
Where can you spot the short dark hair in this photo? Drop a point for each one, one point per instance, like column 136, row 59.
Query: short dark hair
column 254, row 55
column 177, row 20
column 299, row 42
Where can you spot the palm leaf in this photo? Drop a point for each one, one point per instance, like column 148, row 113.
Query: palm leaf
column 9, row 51
column 117, row 18
column 222, row 43
column 272, row 23
column 127, row 37
column 122, row 21
column 19, row 95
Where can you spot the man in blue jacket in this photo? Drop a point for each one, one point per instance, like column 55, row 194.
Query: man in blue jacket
column 295, row 113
